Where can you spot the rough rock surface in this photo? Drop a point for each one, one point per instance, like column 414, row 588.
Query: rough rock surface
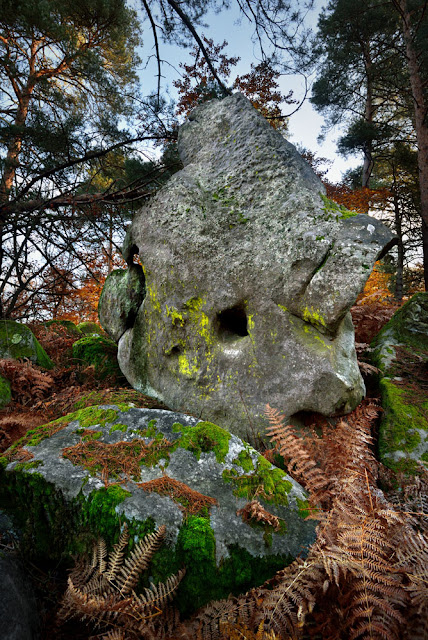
column 250, row 273
column 204, row 457
column 120, row 300
column 18, row 609
column 401, row 353
column 18, row 342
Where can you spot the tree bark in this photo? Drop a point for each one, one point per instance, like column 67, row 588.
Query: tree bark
column 420, row 117
column 369, row 111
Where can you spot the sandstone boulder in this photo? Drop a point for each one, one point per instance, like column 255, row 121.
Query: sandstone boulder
column 104, row 465
column 250, row 273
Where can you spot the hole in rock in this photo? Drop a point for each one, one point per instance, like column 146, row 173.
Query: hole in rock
column 232, row 323
column 175, row 350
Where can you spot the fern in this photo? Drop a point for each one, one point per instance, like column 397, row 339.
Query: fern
column 101, row 592
column 367, row 567
column 28, row 383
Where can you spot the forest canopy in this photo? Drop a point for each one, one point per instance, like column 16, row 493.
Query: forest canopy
column 76, row 109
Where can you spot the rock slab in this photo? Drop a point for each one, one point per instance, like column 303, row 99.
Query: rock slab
column 250, row 272
column 193, row 477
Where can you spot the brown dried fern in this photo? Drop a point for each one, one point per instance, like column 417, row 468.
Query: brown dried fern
column 365, row 571
column 101, row 592
column 28, row 383
column 255, row 512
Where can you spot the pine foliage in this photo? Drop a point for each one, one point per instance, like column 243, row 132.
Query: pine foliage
column 101, row 591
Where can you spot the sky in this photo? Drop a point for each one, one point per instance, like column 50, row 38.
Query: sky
column 304, row 126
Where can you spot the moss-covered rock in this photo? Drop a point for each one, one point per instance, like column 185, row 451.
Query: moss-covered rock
column 101, row 353
column 18, row 343
column 122, row 294
column 5, row 392
column 153, row 467
column 400, row 351
column 69, row 326
column 89, row 328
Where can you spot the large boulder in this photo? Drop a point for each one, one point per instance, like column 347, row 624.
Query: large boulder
column 400, row 351
column 17, row 342
column 250, row 273
column 101, row 466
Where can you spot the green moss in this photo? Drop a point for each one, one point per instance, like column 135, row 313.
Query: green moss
column 98, row 511
column 399, row 425
column 87, row 417
column 204, row 437
column 119, row 427
column 18, row 342
column 267, row 481
column 25, row 466
column 245, row 461
column 204, row 580
column 402, row 327
column 99, row 352
column 122, row 398
column 304, row 508
column 5, row 392
column 151, row 431
column 335, row 211
column 94, row 435
column 89, row 328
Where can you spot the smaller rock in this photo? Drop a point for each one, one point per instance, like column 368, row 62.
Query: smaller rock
column 99, row 352
column 17, row 342
column 401, row 354
column 89, row 328
column 105, row 465
column 69, row 326
column 121, row 297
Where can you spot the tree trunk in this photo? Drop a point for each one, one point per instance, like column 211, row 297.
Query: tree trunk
column 369, row 112
column 398, row 294
column 421, row 124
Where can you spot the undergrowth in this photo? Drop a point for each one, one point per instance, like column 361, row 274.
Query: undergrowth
column 40, row 396
column 365, row 577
